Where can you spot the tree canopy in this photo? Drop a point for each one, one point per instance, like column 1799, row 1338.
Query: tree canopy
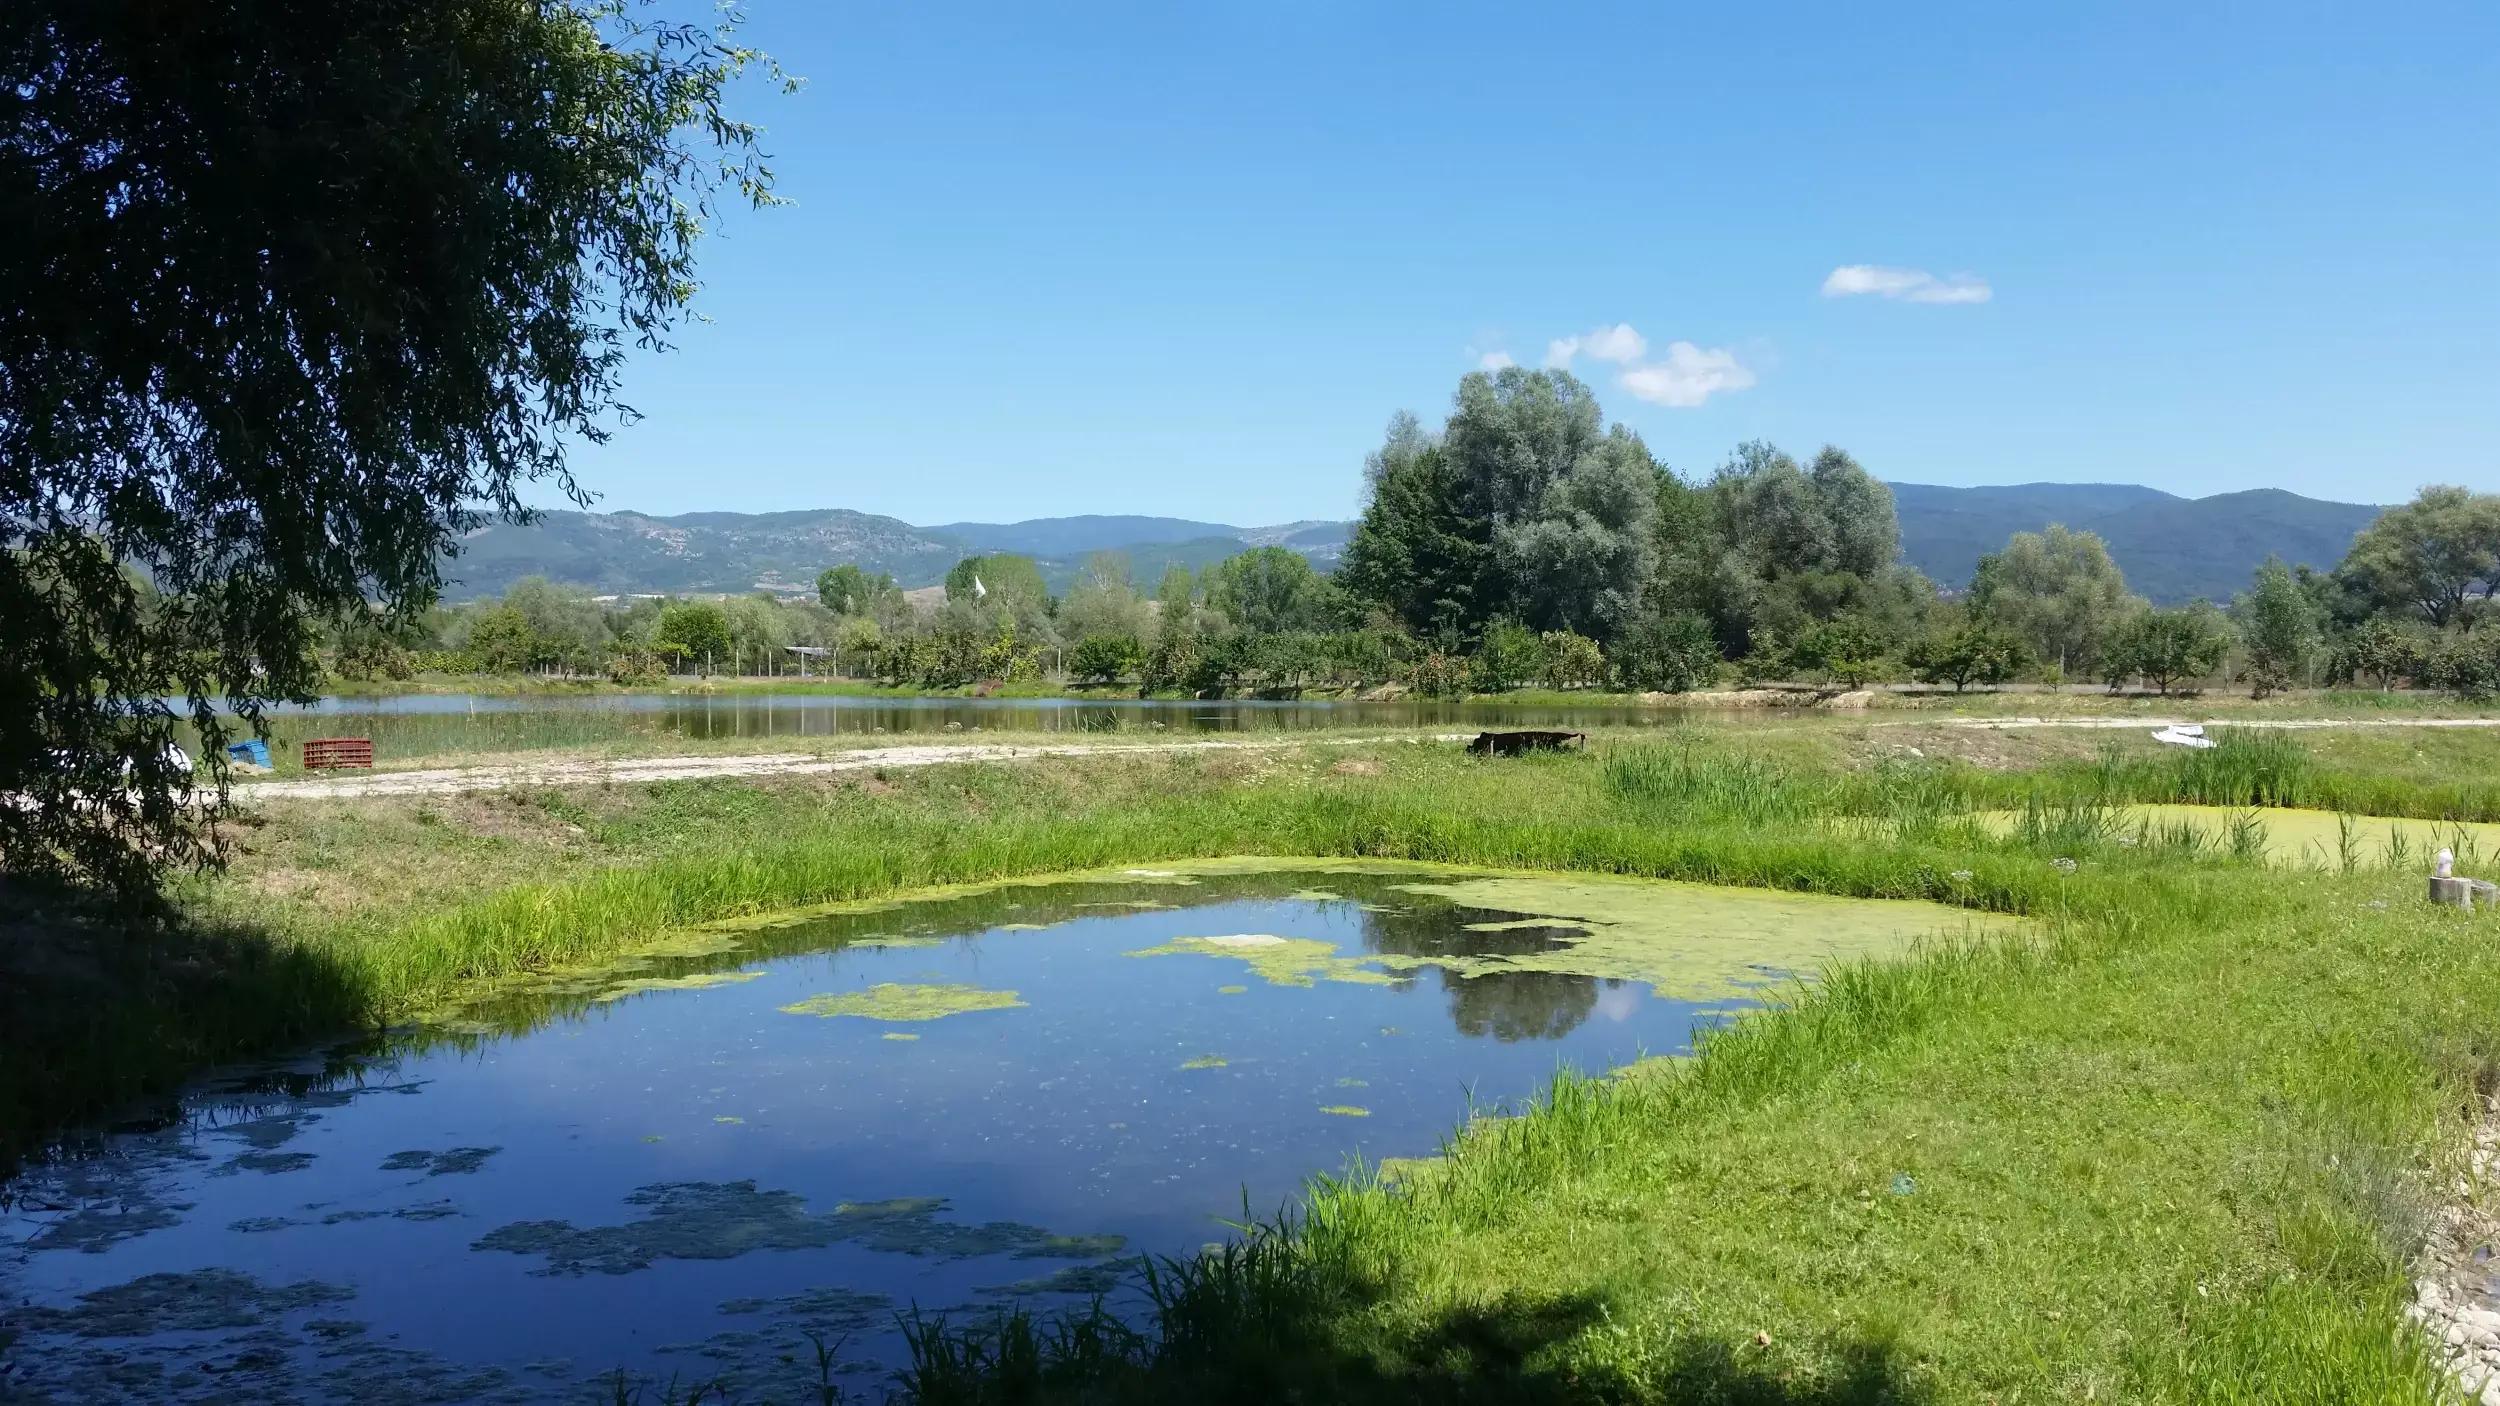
column 1272, row 590
column 299, row 292
column 2437, row 557
column 2058, row 592
column 849, row 590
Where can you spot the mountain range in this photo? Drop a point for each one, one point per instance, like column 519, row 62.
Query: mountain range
column 2172, row 549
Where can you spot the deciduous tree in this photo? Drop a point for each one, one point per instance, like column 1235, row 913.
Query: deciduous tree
column 2279, row 624
column 2436, row 558
column 2058, row 591
column 299, row 292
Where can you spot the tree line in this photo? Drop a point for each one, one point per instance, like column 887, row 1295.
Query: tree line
column 1526, row 543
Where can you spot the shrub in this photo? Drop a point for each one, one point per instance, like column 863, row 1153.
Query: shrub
column 629, row 665
column 1510, row 656
column 1849, row 650
column 1673, row 653
column 1106, row 658
column 2469, row 667
column 1440, row 675
column 2385, row 651
column 1572, row 661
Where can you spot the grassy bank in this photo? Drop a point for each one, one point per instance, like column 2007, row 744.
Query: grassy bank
column 2175, row 1146
column 2179, row 1152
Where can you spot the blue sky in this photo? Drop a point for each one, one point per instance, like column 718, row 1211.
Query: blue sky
column 1186, row 258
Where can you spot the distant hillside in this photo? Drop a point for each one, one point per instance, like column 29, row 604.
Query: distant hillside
column 705, row 553
column 694, row 552
column 1074, row 536
column 2173, row 549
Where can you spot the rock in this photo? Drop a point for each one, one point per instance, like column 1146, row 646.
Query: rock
column 2462, row 893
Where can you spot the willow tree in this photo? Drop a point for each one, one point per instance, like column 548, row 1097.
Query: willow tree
column 298, row 293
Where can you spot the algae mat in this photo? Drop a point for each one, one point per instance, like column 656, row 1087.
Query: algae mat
column 1691, row 942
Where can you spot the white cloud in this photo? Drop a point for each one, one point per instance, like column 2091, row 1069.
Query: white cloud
column 1906, row 285
column 1494, row 361
column 1688, row 376
column 1618, row 344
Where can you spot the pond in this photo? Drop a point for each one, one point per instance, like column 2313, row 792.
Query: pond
column 559, row 719
column 682, row 1167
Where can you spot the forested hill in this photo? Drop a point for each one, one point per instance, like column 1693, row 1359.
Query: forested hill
column 2173, row 549
column 738, row 552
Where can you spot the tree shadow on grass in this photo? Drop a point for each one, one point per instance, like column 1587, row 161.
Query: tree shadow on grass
column 1521, row 1351
column 103, row 1009
column 1528, row 1351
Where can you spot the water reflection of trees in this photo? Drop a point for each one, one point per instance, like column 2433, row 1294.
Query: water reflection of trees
column 1522, row 1005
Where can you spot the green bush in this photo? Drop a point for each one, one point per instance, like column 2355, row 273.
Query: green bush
column 1510, row 657
column 1106, row 658
column 1572, row 661
column 1674, row 653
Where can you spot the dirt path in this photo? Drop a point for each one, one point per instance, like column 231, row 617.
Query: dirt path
column 452, row 780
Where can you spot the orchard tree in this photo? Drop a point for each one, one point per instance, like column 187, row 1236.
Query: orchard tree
column 1106, row 658
column 2436, row 558
column 2169, row 647
column 2385, row 650
column 300, row 293
column 1510, row 657
column 1974, row 652
column 1572, row 661
column 1666, row 653
column 1850, row 650
column 500, row 640
column 693, row 632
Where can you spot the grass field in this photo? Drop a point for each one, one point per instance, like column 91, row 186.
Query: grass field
column 2178, row 1145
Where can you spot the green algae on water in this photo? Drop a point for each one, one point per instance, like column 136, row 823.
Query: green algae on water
column 894, row 1001
column 1690, row 942
column 196, row 1301
column 1206, row 1061
column 1232, row 991
column 722, row 1220
column 1345, row 1110
column 459, row 1161
column 698, row 981
column 1279, row 961
column 898, row 1035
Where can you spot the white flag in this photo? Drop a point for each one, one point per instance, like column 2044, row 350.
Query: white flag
column 979, row 591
